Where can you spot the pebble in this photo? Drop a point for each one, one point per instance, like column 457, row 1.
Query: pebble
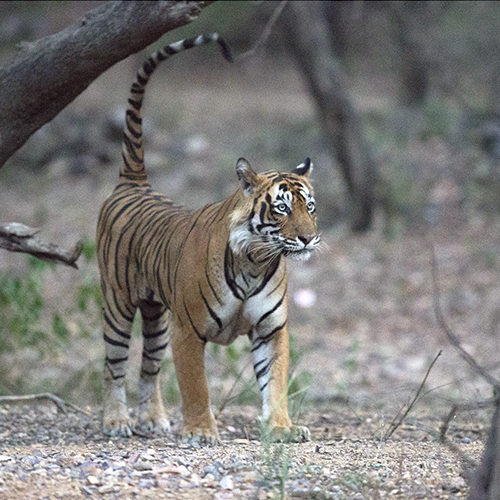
column 226, row 483
column 93, row 481
column 107, row 488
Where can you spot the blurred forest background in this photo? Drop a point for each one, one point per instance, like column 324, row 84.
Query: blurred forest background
column 397, row 104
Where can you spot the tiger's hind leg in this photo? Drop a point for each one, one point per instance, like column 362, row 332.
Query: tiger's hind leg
column 117, row 330
column 156, row 335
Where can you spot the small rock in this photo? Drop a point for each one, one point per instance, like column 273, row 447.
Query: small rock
column 240, row 441
column 107, row 488
column 140, row 465
column 226, row 483
column 93, row 481
column 195, row 480
column 134, row 457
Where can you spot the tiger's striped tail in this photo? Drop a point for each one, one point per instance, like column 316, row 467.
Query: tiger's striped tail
column 132, row 147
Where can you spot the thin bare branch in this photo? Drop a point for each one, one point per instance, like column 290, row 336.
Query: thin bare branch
column 266, row 32
column 17, row 237
column 447, row 330
column 395, row 425
column 60, row 403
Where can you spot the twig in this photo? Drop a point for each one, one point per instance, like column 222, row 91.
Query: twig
column 17, row 237
column 266, row 33
column 394, row 426
column 447, row 330
column 446, row 423
column 60, row 403
column 227, row 397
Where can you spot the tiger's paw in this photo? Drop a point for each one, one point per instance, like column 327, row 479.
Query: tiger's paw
column 204, row 436
column 152, row 425
column 117, row 426
column 291, row 434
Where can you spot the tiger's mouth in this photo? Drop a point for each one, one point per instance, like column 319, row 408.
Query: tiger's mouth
column 298, row 254
column 299, row 249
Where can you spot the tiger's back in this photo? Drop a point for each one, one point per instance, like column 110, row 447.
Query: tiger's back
column 196, row 276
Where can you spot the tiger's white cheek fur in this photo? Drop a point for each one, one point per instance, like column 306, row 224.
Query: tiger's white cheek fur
column 240, row 239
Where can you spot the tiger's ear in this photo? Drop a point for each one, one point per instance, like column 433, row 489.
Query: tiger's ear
column 247, row 177
column 304, row 169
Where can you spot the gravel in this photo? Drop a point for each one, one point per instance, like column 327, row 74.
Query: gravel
column 45, row 454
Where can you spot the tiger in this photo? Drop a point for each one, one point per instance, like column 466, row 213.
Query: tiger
column 209, row 275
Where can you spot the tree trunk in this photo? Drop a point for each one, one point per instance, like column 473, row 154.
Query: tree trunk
column 46, row 75
column 307, row 36
column 486, row 482
column 414, row 66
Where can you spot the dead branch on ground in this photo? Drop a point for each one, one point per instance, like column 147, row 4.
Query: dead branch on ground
column 60, row 403
column 17, row 237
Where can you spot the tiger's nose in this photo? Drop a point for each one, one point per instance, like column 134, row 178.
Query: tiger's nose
column 306, row 239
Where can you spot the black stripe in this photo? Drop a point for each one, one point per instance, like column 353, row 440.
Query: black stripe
column 151, row 358
column 231, row 282
column 159, row 348
column 264, row 370
column 149, row 66
column 125, row 335
column 169, row 51
column 136, row 119
column 260, row 341
column 114, row 342
column 114, row 361
column 151, row 374
column 258, row 363
column 155, row 334
column 210, row 310
column 283, row 278
column 192, row 324
column 188, row 43
column 262, row 212
column 135, row 104
column 131, row 148
column 268, row 275
column 265, row 315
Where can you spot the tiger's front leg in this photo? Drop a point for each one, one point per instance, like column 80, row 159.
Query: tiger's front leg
column 270, row 349
column 198, row 422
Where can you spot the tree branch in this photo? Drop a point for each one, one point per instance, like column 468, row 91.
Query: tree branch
column 60, row 403
column 453, row 339
column 17, row 237
column 46, row 75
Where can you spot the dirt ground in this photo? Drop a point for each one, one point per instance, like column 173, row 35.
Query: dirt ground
column 361, row 312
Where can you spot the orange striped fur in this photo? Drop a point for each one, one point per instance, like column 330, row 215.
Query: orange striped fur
column 198, row 276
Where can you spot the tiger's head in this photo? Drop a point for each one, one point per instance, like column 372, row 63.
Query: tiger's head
column 277, row 214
